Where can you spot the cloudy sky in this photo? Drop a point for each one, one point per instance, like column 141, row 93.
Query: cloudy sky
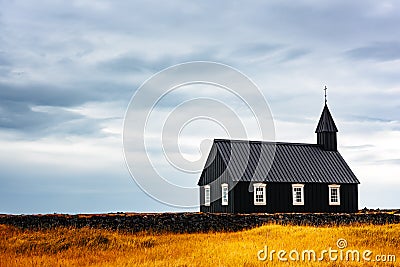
column 68, row 70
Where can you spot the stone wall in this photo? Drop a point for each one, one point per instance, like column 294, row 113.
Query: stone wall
column 192, row 222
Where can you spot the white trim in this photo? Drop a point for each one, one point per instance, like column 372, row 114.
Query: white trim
column 334, row 186
column 263, row 192
column 207, row 195
column 301, row 187
column 224, row 194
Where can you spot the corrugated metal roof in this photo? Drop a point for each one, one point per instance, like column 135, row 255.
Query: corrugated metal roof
column 289, row 162
column 326, row 123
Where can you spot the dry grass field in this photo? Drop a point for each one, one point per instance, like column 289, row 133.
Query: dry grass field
column 88, row 247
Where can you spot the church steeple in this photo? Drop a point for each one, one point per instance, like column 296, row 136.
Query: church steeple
column 326, row 129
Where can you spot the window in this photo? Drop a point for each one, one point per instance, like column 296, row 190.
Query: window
column 298, row 194
column 207, row 197
column 224, row 192
column 334, row 194
column 259, row 194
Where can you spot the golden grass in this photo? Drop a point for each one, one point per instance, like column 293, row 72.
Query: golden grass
column 88, row 247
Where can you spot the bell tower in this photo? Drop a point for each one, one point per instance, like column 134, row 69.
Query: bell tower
column 326, row 129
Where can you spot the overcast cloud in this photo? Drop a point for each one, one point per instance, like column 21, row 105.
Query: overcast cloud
column 69, row 68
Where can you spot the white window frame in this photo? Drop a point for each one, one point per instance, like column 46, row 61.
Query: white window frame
column 337, row 187
column 264, row 194
column 207, row 195
column 224, row 198
column 296, row 186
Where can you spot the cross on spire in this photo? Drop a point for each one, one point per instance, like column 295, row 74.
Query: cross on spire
column 325, row 94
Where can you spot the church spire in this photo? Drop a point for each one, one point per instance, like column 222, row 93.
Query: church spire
column 326, row 122
column 326, row 129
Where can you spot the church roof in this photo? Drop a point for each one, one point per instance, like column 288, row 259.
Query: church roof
column 288, row 162
column 326, row 123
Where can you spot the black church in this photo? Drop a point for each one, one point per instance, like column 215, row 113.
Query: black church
column 243, row 176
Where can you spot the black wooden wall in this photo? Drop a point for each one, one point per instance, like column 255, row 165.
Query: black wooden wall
column 216, row 169
column 279, row 199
